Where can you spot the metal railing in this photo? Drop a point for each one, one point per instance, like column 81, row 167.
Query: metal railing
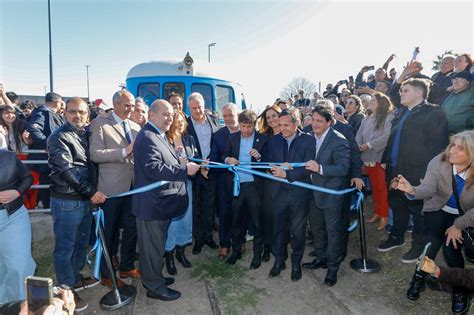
column 40, row 186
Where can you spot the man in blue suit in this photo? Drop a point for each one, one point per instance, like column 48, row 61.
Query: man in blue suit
column 330, row 169
column 154, row 209
column 290, row 202
column 247, row 146
column 230, row 111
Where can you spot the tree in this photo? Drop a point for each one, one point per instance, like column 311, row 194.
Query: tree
column 298, row 83
column 437, row 62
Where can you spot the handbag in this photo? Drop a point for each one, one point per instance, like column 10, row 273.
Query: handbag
column 467, row 233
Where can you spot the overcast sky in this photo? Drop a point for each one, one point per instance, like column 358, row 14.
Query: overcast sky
column 260, row 44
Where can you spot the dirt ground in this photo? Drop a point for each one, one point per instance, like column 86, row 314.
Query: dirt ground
column 211, row 287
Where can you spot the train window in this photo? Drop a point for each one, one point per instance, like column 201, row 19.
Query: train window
column 149, row 92
column 224, row 95
column 170, row 87
column 206, row 91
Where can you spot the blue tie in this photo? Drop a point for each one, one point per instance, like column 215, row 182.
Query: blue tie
column 128, row 132
column 396, row 141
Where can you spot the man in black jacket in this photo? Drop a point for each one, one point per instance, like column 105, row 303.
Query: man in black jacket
column 73, row 188
column 419, row 133
column 245, row 146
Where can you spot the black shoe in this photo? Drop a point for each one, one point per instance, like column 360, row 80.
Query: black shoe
column 390, row 243
column 412, row 255
column 316, row 264
column 233, row 258
column 417, row 285
column 211, row 244
column 331, row 278
column 197, row 249
column 167, row 295
column 312, row 254
column 256, row 262
column 266, row 253
column 169, row 262
column 181, row 257
column 276, row 269
column 169, row 281
column 460, row 302
column 296, row 273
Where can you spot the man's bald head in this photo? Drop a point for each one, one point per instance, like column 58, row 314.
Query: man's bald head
column 161, row 114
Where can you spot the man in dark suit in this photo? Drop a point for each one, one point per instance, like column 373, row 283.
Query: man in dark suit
column 230, row 114
column 44, row 120
column 202, row 127
column 330, row 169
column 246, row 145
column 155, row 208
column 290, row 202
column 419, row 133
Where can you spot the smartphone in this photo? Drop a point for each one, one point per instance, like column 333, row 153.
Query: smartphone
column 344, row 81
column 39, row 292
column 370, row 67
column 351, row 78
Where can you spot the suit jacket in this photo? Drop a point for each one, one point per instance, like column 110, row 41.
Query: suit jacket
column 107, row 140
column 436, row 189
column 302, row 149
column 158, row 161
column 334, row 157
column 218, row 145
column 424, row 135
column 233, row 147
column 348, row 132
column 213, row 121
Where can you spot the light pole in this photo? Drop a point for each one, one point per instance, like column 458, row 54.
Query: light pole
column 209, row 51
column 50, row 49
column 87, row 71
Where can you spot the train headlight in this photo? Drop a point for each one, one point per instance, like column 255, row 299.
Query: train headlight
column 188, row 61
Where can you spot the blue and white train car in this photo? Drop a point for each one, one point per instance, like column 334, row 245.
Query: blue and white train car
column 158, row 79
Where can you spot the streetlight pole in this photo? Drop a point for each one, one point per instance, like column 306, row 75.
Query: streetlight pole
column 50, row 49
column 209, row 51
column 87, row 71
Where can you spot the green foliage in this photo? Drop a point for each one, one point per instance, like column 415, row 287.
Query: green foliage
column 437, row 62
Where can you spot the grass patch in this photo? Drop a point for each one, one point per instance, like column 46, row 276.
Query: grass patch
column 230, row 283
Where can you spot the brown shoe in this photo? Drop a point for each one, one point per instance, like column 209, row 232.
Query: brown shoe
column 134, row 273
column 108, row 283
column 223, row 252
column 85, row 283
column 243, row 249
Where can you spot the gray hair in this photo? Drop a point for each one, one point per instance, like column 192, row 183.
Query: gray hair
column 328, row 104
column 141, row 100
column 232, row 107
column 118, row 96
column 196, row 96
column 365, row 97
column 449, row 56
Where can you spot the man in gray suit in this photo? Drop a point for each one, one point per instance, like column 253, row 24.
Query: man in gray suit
column 330, row 170
column 111, row 147
column 154, row 209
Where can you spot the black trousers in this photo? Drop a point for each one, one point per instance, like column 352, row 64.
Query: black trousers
column 345, row 219
column 151, row 244
column 402, row 207
column 118, row 213
column 437, row 222
column 224, row 208
column 203, row 208
column 267, row 212
column 328, row 232
column 248, row 202
column 288, row 211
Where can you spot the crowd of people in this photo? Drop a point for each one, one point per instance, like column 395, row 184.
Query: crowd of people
column 385, row 131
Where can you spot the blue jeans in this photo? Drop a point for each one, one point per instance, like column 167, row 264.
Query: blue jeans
column 72, row 225
column 16, row 262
